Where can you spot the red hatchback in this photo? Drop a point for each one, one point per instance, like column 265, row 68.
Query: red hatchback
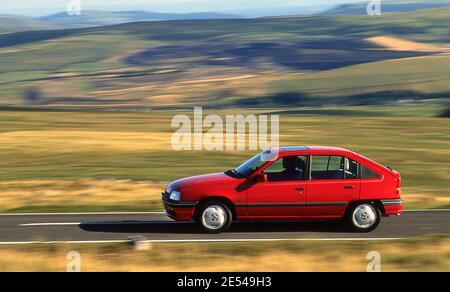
column 290, row 183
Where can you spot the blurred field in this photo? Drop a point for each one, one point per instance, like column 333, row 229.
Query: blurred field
column 121, row 161
column 79, row 195
column 430, row 254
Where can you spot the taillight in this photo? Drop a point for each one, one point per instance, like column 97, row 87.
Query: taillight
column 398, row 190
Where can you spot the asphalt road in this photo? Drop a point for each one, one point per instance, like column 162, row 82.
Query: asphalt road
column 156, row 227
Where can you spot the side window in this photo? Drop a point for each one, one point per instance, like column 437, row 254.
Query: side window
column 368, row 173
column 327, row 167
column 351, row 169
column 275, row 167
column 287, row 169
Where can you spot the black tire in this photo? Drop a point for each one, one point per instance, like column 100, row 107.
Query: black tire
column 371, row 209
column 223, row 214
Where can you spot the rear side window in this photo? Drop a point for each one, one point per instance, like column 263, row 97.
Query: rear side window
column 368, row 173
column 327, row 167
column 333, row 167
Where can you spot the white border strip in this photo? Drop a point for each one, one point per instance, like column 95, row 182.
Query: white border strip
column 200, row 240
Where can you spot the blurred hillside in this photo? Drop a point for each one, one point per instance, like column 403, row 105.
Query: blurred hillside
column 360, row 8
column 90, row 18
column 279, row 61
column 15, row 23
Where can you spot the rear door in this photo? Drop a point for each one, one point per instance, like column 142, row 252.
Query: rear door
column 333, row 184
column 283, row 195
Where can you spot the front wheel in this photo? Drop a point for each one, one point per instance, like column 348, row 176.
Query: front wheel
column 214, row 217
column 364, row 217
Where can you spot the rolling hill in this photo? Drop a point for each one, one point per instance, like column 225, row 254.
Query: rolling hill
column 15, row 23
column 90, row 18
column 276, row 61
column 387, row 6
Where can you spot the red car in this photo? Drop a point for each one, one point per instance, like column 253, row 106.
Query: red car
column 290, row 183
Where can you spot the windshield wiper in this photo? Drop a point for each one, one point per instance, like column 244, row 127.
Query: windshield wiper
column 233, row 172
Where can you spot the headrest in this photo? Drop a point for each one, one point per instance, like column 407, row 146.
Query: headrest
column 290, row 162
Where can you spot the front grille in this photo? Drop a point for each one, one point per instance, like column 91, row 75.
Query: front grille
column 165, row 196
column 170, row 213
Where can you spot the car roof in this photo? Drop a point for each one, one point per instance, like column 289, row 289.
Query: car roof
column 313, row 148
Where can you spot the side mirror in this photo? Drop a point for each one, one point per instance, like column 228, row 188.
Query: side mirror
column 262, row 177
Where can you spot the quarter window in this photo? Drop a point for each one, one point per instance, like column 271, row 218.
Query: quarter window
column 368, row 173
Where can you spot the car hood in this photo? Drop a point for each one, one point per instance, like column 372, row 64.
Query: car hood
column 214, row 179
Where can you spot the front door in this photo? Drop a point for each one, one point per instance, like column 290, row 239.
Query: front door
column 334, row 183
column 283, row 195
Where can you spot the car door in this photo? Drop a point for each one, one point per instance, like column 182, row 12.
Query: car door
column 281, row 196
column 333, row 184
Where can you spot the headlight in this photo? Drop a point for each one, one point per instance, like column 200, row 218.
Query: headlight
column 175, row 196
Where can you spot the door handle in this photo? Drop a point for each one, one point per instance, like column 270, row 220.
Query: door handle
column 349, row 187
column 300, row 189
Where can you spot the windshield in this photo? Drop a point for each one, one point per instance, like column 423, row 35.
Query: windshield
column 251, row 165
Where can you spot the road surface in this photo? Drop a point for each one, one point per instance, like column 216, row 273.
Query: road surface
column 156, row 227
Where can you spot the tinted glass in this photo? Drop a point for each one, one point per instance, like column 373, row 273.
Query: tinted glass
column 351, row 169
column 287, row 169
column 251, row 165
column 368, row 173
column 327, row 167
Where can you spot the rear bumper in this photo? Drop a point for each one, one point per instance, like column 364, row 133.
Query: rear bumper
column 393, row 206
column 178, row 210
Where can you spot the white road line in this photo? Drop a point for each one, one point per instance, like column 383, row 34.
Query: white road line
column 266, row 240
column 50, row 224
column 200, row 240
column 70, row 214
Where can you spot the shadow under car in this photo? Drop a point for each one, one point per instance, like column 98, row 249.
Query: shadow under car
column 192, row 228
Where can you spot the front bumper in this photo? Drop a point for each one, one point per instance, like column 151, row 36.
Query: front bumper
column 178, row 210
column 393, row 206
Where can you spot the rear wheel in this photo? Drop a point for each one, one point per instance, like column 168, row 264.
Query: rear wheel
column 214, row 217
column 364, row 217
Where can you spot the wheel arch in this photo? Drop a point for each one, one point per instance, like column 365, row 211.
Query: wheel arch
column 220, row 199
column 377, row 203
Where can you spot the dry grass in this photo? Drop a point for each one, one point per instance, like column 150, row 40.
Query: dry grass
column 41, row 194
column 428, row 254
column 423, row 200
column 60, row 141
column 397, row 44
